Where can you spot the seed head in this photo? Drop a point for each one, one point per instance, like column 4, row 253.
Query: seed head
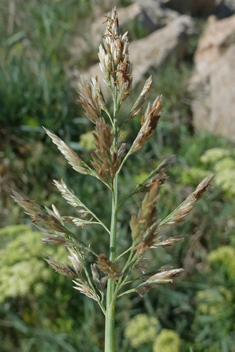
column 114, row 57
column 147, row 214
column 161, row 277
column 72, row 158
column 137, row 108
column 85, row 289
column 91, row 98
column 179, row 214
column 149, row 123
column 63, row 269
column 106, row 161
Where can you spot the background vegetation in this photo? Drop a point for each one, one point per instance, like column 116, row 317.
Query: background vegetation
column 39, row 310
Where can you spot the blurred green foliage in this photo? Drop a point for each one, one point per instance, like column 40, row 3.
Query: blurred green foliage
column 39, row 309
column 167, row 341
column 141, row 330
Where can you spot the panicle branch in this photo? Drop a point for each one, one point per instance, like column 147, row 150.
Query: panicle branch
column 72, row 199
column 152, row 237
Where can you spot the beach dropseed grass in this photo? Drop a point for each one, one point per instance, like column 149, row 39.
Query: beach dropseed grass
column 108, row 279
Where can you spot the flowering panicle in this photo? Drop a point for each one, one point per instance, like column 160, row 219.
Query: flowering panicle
column 91, row 98
column 114, row 58
column 107, row 162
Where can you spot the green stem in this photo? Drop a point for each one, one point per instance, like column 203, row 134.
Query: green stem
column 110, row 303
column 124, row 160
column 123, row 253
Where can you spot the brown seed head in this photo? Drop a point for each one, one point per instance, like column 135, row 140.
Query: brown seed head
column 149, row 123
column 91, row 98
column 136, row 110
column 72, row 158
column 147, row 214
column 114, row 57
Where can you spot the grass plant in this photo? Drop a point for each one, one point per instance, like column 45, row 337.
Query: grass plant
column 115, row 273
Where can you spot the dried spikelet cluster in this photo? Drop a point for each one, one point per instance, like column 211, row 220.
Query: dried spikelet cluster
column 108, row 159
column 114, row 58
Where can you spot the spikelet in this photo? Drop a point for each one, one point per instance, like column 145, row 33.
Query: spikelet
column 161, row 277
column 85, row 289
column 147, row 214
column 157, row 174
column 63, row 269
column 91, row 98
column 138, row 106
column 38, row 214
column 107, row 267
column 179, row 214
column 72, row 158
column 106, row 161
column 68, row 194
column 77, row 264
column 149, row 124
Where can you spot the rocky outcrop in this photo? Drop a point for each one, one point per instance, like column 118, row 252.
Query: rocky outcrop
column 155, row 49
column 213, row 82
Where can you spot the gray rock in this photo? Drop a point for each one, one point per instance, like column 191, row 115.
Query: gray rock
column 213, row 82
column 153, row 50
